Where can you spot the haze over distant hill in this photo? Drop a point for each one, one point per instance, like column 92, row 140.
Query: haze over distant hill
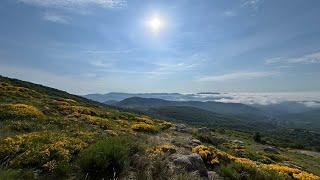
column 216, row 107
column 117, row 96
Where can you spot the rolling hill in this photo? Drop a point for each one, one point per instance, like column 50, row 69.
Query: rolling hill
column 211, row 113
column 47, row 133
column 216, row 107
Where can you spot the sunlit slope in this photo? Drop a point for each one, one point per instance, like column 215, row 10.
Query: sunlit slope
column 49, row 134
column 43, row 129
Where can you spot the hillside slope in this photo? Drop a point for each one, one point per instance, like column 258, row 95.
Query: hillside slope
column 49, row 134
column 216, row 107
column 230, row 115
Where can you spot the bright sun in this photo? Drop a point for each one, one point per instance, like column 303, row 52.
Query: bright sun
column 155, row 24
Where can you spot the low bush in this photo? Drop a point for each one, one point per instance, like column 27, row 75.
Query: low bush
column 16, row 174
column 106, row 158
column 244, row 168
column 143, row 127
column 19, row 111
column 144, row 119
column 163, row 148
column 39, row 150
column 165, row 125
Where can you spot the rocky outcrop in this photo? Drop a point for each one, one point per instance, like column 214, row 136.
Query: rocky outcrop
column 189, row 163
column 203, row 130
column 181, row 128
column 271, row 149
column 194, row 142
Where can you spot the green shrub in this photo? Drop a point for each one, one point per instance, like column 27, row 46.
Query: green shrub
column 16, row 174
column 160, row 169
column 239, row 171
column 229, row 171
column 257, row 137
column 187, row 176
column 106, row 158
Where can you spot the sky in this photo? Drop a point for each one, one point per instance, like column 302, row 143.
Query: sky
column 100, row 46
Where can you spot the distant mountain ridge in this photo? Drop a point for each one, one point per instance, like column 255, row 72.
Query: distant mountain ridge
column 116, row 96
column 216, row 107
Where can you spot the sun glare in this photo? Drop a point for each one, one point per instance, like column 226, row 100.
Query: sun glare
column 155, row 24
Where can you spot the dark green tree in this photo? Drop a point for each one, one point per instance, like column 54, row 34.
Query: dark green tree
column 257, row 137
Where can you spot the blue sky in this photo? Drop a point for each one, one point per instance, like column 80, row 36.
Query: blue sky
column 98, row 46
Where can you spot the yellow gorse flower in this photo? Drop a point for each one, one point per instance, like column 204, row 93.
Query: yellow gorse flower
column 212, row 156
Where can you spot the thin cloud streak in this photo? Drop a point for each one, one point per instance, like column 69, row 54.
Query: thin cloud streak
column 306, row 59
column 56, row 18
column 101, row 64
column 235, row 76
column 123, row 51
column 72, row 4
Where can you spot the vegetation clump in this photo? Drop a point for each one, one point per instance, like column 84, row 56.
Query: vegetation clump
column 41, row 150
column 144, row 119
column 163, row 148
column 165, row 125
column 101, row 122
column 214, row 156
column 19, row 111
column 143, row 127
column 106, row 158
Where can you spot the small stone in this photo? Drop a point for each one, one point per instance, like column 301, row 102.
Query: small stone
column 271, row 149
column 238, row 142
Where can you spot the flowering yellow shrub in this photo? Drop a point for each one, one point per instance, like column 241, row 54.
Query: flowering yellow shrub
column 212, row 156
column 144, row 119
column 163, row 148
column 18, row 111
column 18, row 91
column 165, row 125
column 39, row 149
column 103, row 123
column 143, row 127
column 67, row 109
column 69, row 100
column 208, row 154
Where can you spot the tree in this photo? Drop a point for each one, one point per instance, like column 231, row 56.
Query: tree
column 257, row 137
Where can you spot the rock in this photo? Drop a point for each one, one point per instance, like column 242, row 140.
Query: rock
column 194, row 142
column 181, row 128
column 214, row 176
column 271, row 149
column 238, row 142
column 292, row 165
column 215, row 140
column 203, row 130
column 190, row 163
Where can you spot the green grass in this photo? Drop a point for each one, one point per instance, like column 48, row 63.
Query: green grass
column 106, row 158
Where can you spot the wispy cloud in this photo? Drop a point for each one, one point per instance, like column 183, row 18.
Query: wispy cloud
column 305, row 59
column 253, row 4
column 174, row 67
column 123, row 51
column 71, row 4
column 236, row 75
column 101, row 64
column 229, row 13
column 56, row 18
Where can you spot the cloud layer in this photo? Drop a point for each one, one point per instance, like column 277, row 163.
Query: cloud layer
column 235, row 76
column 71, row 4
